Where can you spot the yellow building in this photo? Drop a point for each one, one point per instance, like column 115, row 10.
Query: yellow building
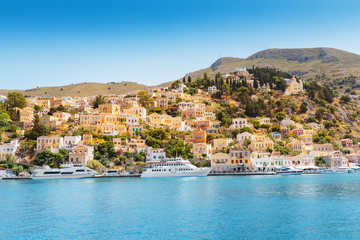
column 294, row 87
column 93, row 128
column 26, row 114
column 133, row 130
column 155, row 119
column 87, row 138
column 111, row 108
column 162, row 103
column 122, row 129
column 201, row 148
column 240, row 159
column 220, row 162
column 91, row 119
column 219, row 144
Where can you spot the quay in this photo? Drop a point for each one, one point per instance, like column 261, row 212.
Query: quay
column 242, row 174
column 119, row 176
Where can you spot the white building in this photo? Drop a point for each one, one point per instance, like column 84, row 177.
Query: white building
column 212, row 89
column 51, row 143
column 241, row 137
column 9, row 149
column 71, row 141
column 156, row 154
column 132, row 120
column 238, row 123
column 286, row 122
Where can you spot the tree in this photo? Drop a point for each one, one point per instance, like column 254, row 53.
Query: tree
column 15, row 99
column 158, row 133
column 95, row 165
column 4, row 120
column 256, row 85
column 37, row 108
column 145, row 99
column 280, row 116
column 345, row 99
column 276, row 128
column 98, row 100
column 303, row 107
column 48, row 158
column 139, row 158
column 320, row 113
column 320, row 161
column 175, row 84
column 61, row 108
column 38, row 129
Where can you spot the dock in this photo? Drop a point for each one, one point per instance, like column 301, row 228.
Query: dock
column 16, row 178
column 119, row 176
column 242, row 174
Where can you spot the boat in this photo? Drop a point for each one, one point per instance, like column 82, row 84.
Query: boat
column 111, row 172
column 63, row 172
column 289, row 171
column 9, row 175
column 173, row 167
column 327, row 171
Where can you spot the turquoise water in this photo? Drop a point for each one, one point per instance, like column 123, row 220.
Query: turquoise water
column 257, row 207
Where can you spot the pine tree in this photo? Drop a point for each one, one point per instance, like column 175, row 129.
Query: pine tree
column 256, row 85
column 189, row 79
column 18, row 115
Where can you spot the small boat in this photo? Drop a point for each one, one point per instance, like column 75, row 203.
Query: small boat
column 289, row 171
column 111, row 172
column 9, row 175
column 328, row 171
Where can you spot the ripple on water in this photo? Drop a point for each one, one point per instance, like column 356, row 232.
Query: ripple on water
column 258, row 207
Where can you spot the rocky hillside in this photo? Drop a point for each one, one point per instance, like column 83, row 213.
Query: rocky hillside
column 303, row 62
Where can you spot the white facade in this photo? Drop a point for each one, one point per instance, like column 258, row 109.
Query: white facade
column 156, row 154
column 8, row 149
column 71, row 141
column 241, row 137
column 212, row 89
column 238, row 123
column 286, row 122
column 132, row 120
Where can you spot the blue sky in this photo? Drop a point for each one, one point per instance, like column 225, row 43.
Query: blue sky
column 59, row 42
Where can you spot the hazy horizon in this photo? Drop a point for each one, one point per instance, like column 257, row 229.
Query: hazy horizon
column 58, row 43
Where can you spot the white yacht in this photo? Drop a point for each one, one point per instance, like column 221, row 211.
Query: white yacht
column 289, row 171
column 65, row 171
column 173, row 167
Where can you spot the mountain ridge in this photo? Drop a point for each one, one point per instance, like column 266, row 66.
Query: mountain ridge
column 303, row 62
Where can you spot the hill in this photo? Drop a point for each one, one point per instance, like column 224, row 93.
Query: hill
column 81, row 89
column 303, row 62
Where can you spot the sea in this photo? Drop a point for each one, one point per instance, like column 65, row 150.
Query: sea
column 216, row 207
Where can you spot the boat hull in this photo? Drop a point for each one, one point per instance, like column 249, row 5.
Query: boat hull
column 289, row 173
column 195, row 173
column 64, row 176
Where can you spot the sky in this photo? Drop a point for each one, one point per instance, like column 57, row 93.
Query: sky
column 59, row 42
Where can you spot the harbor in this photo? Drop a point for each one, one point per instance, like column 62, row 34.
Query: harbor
column 188, row 208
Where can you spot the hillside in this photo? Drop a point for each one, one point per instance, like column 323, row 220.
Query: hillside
column 81, row 89
column 305, row 62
